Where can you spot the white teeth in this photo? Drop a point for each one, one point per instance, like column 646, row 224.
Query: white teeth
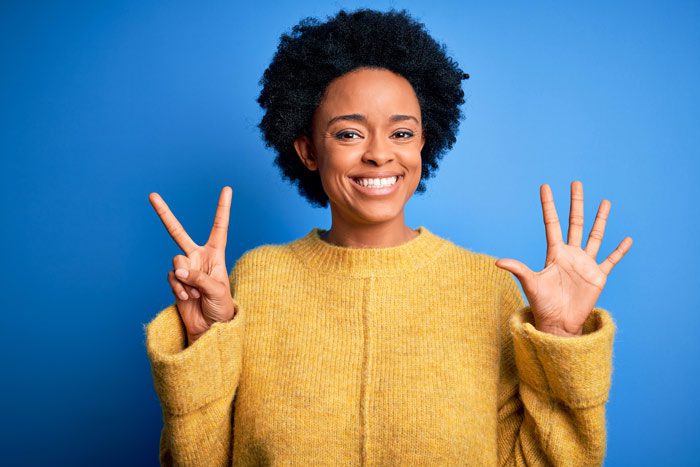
column 377, row 182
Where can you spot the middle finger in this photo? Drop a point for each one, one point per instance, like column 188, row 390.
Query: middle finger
column 576, row 214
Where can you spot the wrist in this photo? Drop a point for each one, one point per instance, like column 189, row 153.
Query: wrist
column 558, row 330
column 192, row 338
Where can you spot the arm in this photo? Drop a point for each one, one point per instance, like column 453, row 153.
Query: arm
column 196, row 386
column 552, row 389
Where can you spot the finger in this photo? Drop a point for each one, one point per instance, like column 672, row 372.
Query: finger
column 219, row 231
column 551, row 220
column 181, row 261
column 521, row 271
column 204, row 282
column 616, row 255
column 172, row 225
column 177, row 286
column 576, row 214
column 595, row 238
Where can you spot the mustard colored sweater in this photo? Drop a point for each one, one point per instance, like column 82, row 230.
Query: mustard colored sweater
column 419, row 354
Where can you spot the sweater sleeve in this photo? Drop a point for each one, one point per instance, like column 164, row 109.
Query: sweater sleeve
column 196, row 386
column 552, row 389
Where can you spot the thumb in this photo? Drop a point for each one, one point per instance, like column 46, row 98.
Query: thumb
column 522, row 272
column 202, row 281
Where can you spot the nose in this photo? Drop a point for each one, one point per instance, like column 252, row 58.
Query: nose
column 377, row 152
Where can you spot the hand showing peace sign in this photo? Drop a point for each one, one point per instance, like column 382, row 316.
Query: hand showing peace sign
column 563, row 294
column 200, row 278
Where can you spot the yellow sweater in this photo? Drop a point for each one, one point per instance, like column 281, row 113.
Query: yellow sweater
column 418, row 354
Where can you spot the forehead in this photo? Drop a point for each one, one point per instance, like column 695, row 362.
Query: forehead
column 370, row 91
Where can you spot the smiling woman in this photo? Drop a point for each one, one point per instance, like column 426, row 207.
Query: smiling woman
column 316, row 54
column 372, row 342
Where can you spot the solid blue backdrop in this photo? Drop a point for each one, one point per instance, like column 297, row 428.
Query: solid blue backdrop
column 102, row 103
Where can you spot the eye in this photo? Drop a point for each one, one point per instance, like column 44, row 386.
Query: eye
column 406, row 134
column 347, row 135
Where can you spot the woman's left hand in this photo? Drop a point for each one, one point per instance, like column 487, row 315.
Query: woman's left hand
column 564, row 293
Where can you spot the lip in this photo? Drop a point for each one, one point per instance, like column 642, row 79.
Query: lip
column 383, row 191
column 377, row 175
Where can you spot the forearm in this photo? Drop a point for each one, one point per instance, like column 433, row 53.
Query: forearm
column 553, row 395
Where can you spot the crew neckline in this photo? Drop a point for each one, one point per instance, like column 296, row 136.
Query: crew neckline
column 324, row 257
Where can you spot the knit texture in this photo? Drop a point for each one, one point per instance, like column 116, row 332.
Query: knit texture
column 419, row 354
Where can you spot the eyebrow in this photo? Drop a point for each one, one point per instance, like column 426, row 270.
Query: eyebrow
column 362, row 118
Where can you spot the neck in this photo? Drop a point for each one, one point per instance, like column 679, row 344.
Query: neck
column 332, row 260
column 376, row 235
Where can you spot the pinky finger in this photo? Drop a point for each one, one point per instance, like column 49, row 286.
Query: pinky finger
column 616, row 255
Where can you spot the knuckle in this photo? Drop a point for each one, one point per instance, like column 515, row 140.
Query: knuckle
column 177, row 230
column 596, row 234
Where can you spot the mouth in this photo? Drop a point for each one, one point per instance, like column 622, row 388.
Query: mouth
column 377, row 186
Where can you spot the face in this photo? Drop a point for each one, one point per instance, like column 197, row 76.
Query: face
column 367, row 127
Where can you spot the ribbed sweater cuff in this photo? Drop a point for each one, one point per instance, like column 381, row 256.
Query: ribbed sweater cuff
column 576, row 370
column 187, row 378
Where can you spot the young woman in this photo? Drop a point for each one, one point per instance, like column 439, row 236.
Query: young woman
column 373, row 343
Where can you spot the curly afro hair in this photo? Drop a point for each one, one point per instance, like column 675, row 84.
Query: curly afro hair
column 316, row 53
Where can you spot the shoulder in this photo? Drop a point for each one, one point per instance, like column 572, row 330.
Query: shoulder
column 480, row 266
column 263, row 258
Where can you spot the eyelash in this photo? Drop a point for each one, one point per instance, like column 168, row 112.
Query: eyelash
column 342, row 133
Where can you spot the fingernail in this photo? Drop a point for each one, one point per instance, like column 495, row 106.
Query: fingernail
column 183, row 295
column 195, row 293
column 182, row 273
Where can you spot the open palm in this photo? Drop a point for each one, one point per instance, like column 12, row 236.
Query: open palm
column 563, row 294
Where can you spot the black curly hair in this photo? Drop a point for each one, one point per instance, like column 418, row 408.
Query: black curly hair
column 315, row 53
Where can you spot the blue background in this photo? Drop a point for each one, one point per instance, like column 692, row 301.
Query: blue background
column 102, row 103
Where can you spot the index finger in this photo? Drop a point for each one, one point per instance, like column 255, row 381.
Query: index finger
column 219, row 231
column 172, row 225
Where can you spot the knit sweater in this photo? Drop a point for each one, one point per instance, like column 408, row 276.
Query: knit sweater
column 423, row 353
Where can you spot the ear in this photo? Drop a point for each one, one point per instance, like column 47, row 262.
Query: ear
column 305, row 151
column 422, row 142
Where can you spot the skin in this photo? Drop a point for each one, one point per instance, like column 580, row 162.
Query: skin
column 202, row 294
column 369, row 138
column 371, row 144
column 564, row 293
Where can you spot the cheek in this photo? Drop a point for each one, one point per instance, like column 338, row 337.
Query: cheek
column 413, row 161
column 333, row 171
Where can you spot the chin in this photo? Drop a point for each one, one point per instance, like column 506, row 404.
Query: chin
column 366, row 210
column 377, row 215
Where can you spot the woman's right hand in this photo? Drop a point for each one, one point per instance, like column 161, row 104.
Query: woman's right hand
column 203, row 296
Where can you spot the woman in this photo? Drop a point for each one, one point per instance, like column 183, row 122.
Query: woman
column 371, row 342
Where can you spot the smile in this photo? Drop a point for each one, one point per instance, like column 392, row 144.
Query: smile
column 377, row 186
